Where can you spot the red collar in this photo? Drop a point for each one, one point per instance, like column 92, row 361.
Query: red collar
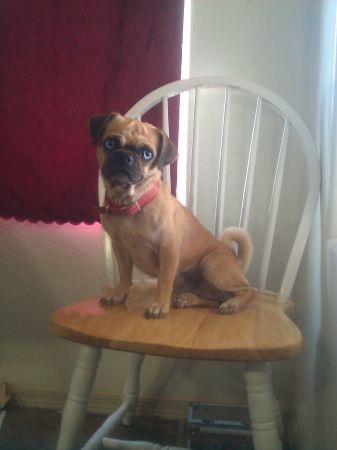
column 133, row 208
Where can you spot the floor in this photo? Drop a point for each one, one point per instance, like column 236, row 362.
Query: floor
column 37, row 429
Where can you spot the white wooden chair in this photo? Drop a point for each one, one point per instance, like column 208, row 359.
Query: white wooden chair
column 247, row 160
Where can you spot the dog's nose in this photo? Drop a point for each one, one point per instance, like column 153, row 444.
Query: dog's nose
column 122, row 159
column 127, row 159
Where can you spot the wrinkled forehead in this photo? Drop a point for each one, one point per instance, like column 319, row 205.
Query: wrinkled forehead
column 131, row 131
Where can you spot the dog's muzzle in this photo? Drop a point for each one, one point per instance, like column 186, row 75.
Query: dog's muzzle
column 122, row 167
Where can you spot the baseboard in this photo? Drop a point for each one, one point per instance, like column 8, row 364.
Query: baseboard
column 99, row 403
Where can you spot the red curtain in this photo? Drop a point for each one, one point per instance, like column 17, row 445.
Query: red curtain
column 62, row 61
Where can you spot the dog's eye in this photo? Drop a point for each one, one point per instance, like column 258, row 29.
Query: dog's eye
column 111, row 143
column 146, row 153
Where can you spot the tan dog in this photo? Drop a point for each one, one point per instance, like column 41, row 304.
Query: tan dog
column 150, row 229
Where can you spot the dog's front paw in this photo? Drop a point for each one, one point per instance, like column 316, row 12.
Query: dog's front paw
column 113, row 296
column 157, row 311
column 229, row 307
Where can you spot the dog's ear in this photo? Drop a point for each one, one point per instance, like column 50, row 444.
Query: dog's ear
column 167, row 151
column 97, row 125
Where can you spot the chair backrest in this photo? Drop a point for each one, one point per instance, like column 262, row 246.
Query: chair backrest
column 246, row 159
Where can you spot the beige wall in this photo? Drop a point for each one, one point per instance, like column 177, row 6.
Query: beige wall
column 270, row 42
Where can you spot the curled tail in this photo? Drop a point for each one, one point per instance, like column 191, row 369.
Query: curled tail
column 244, row 251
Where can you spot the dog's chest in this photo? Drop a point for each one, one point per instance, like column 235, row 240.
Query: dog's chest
column 140, row 238
column 134, row 236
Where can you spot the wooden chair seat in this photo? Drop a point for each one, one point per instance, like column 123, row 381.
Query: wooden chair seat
column 260, row 332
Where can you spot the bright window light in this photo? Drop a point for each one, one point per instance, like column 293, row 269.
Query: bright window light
column 185, row 60
column 183, row 106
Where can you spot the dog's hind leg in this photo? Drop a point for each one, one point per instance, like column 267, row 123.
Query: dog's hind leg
column 190, row 290
column 188, row 300
column 221, row 270
column 238, row 301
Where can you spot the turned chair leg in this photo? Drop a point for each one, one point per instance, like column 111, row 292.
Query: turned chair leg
column 278, row 417
column 264, row 411
column 78, row 396
column 131, row 387
column 126, row 410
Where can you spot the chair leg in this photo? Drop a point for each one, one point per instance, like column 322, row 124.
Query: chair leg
column 78, row 396
column 129, row 445
column 125, row 412
column 131, row 386
column 262, row 407
column 278, row 417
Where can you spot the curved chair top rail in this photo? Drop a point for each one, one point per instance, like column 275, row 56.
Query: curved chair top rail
column 177, row 87
column 291, row 121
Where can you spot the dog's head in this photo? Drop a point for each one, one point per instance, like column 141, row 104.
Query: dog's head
column 129, row 151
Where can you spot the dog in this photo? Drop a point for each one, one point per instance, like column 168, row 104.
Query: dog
column 151, row 230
